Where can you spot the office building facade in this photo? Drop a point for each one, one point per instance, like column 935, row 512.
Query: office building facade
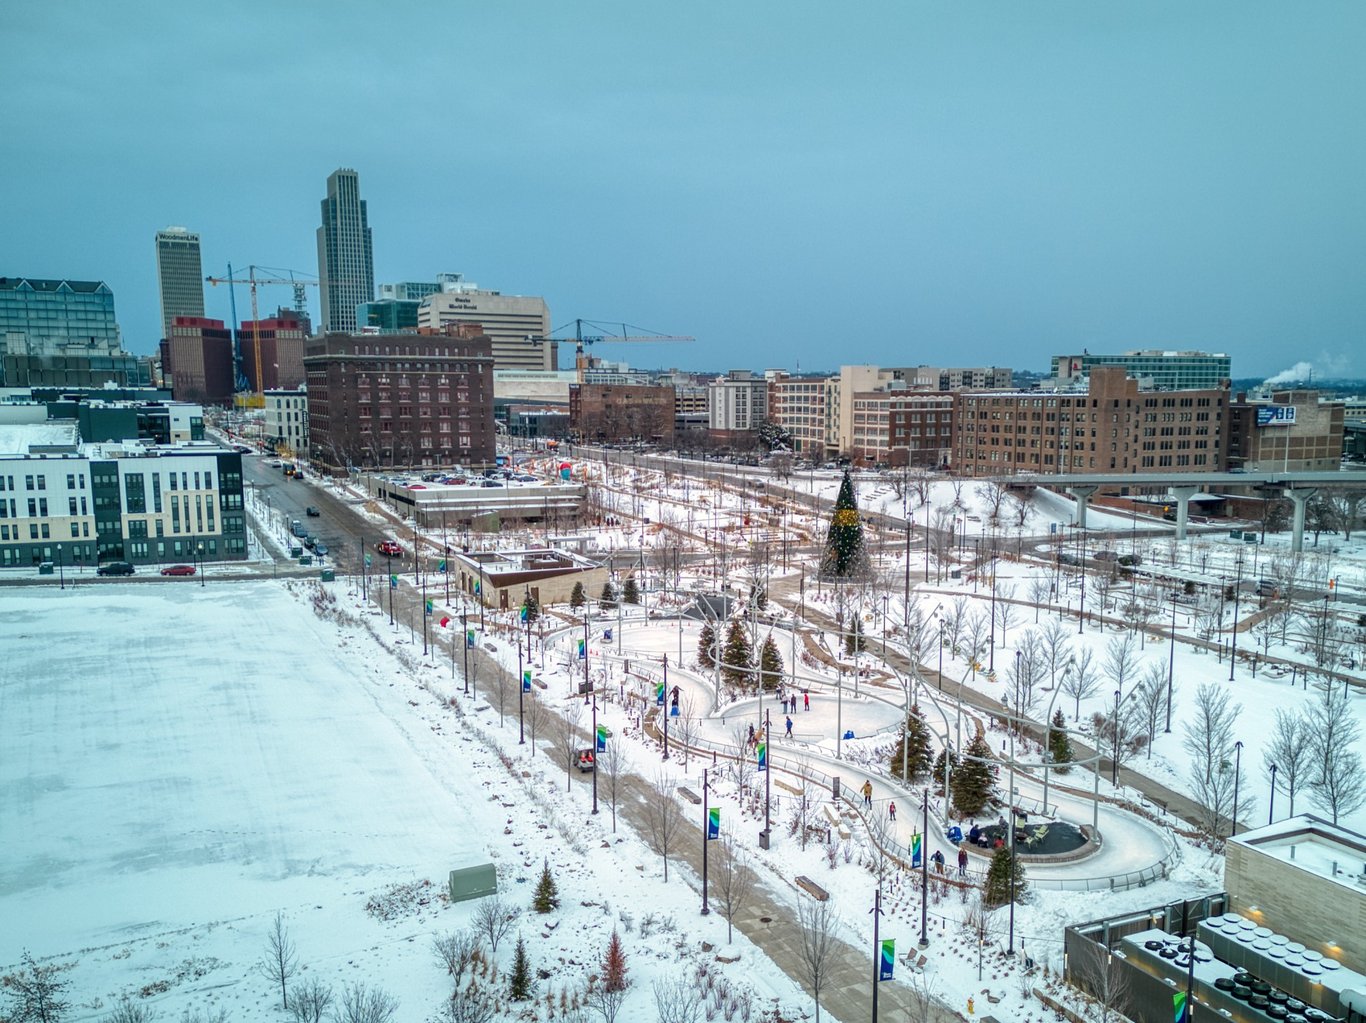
column 282, row 350
column 1262, row 437
column 44, row 316
column 180, row 276
column 511, row 322
column 400, row 400
column 346, row 266
column 615, row 413
column 1154, row 369
column 198, row 359
column 737, row 404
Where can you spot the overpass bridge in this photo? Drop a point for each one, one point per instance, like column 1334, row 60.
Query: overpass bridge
column 1182, row 486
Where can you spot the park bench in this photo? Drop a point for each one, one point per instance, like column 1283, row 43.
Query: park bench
column 812, row 888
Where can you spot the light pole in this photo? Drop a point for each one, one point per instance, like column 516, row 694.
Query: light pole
column 1271, row 810
column 1171, row 663
column 596, row 751
column 61, row 573
column 202, row 570
column 925, row 864
column 1114, row 762
column 706, row 837
column 1237, row 592
column 1237, row 768
column 465, row 640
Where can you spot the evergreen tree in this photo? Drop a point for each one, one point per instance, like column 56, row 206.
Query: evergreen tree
column 854, row 641
column 845, row 556
column 614, row 968
column 973, row 781
column 547, row 895
column 609, row 595
column 953, row 761
column 770, row 665
column 914, row 741
column 577, row 598
column 706, row 646
column 630, row 592
column 998, row 878
column 519, row 981
column 533, row 607
column 736, row 656
column 1059, row 745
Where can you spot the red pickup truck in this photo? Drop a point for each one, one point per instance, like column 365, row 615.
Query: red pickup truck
column 389, row 548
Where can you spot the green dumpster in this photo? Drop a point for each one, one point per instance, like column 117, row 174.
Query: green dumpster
column 305, row 559
column 1235, row 534
column 45, row 568
column 295, row 552
column 327, row 575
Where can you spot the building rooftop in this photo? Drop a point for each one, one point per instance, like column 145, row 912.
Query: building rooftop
column 1313, row 845
column 48, row 284
column 20, row 439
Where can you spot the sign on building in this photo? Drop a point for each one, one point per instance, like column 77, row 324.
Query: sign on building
column 1275, row 415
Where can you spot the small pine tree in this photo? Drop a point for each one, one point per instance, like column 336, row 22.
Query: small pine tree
column 630, row 592
column 953, row 762
column 853, row 639
column 770, row 665
column 736, row 656
column 973, row 781
column 998, row 878
column 577, row 598
column 914, row 741
column 519, row 981
column 1059, row 745
column 609, row 595
column 533, row 607
column 547, row 895
column 614, row 967
column 706, row 647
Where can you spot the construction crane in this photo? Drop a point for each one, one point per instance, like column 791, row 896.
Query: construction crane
column 581, row 339
column 252, row 281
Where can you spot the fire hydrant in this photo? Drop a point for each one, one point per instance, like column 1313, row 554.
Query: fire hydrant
column 970, row 1012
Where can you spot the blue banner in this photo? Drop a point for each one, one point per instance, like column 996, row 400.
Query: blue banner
column 526, row 680
column 763, row 755
column 469, row 639
column 583, row 650
column 713, row 823
column 393, row 582
column 887, row 959
column 659, row 695
column 915, row 849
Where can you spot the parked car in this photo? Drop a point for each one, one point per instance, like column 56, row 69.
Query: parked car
column 1105, row 556
column 312, row 512
column 389, row 548
column 309, row 541
column 297, row 528
column 178, row 570
column 115, row 568
column 320, row 549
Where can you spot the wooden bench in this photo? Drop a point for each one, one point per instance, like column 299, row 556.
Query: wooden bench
column 835, row 820
column 812, row 888
column 779, row 783
column 691, row 796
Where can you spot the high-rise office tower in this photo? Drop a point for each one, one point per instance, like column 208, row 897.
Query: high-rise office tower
column 346, row 269
column 180, row 275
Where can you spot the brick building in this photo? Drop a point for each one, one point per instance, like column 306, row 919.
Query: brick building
column 613, row 413
column 920, row 429
column 199, row 353
column 1309, row 439
column 1112, row 428
column 282, row 350
column 401, row 400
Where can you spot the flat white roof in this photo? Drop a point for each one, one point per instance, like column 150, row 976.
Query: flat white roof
column 19, row 438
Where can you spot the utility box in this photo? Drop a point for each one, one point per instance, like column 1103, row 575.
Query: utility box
column 327, row 575
column 305, row 559
column 45, row 568
column 295, row 552
column 473, row 882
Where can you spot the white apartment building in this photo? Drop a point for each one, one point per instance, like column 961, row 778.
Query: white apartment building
column 736, row 403
column 287, row 419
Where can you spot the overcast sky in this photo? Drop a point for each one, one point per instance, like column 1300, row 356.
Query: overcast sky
column 792, row 183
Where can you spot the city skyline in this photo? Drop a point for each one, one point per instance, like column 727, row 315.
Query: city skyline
column 1008, row 185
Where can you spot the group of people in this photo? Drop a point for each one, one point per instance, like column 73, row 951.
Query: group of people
column 789, row 700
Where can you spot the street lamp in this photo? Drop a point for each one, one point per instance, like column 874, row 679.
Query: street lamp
column 1271, row 810
column 200, row 548
column 1237, row 592
column 61, row 574
column 1237, row 768
column 1171, row 662
column 1114, row 762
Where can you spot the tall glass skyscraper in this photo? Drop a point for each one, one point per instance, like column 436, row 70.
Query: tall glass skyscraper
column 180, row 275
column 346, row 269
column 39, row 316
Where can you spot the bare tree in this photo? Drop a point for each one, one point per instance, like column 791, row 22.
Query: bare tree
column 1213, row 792
column 468, row 1005
column 816, row 954
column 1150, row 701
column 611, row 767
column 1340, row 787
column 742, row 766
column 923, row 992
column 1056, row 641
column 1007, row 613
column 493, row 919
column 1103, row 582
column 128, row 1011
column 975, row 639
column 663, row 817
column 1040, row 591
column 1289, row 749
column 1121, row 659
column 566, row 739
column 956, row 621
column 1082, row 681
column 359, row 1004
column 993, row 495
column 980, row 922
column 536, row 716
column 1209, row 732
column 1332, row 732
column 687, row 724
column 309, row 1000
column 456, row 950
column 676, row 1000
column 1103, row 977
column 280, row 961
column 734, row 881
column 502, row 690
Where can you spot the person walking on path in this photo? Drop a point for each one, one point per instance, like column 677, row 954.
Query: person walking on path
column 891, row 811
column 789, row 728
column 867, row 791
column 938, row 860
column 962, row 862
column 806, row 700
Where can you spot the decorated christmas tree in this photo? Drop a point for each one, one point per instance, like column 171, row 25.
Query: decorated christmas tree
column 770, row 665
column 630, row 591
column 972, row 781
column 915, row 744
column 577, row 598
column 845, row 556
column 547, row 895
column 736, row 656
column 1059, row 745
column 998, row 878
column 706, row 646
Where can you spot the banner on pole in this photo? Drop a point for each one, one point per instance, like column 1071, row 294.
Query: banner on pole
column 887, row 960
column 915, row 850
column 583, row 650
column 469, row 639
column 367, row 561
column 429, row 605
column 763, row 755
column 441, row 565
column 393, row 582
column 713, row 823
column 602, row 738
column 1179, row 1006
column 523, row 618
column 526, row 680
column 659, row 695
